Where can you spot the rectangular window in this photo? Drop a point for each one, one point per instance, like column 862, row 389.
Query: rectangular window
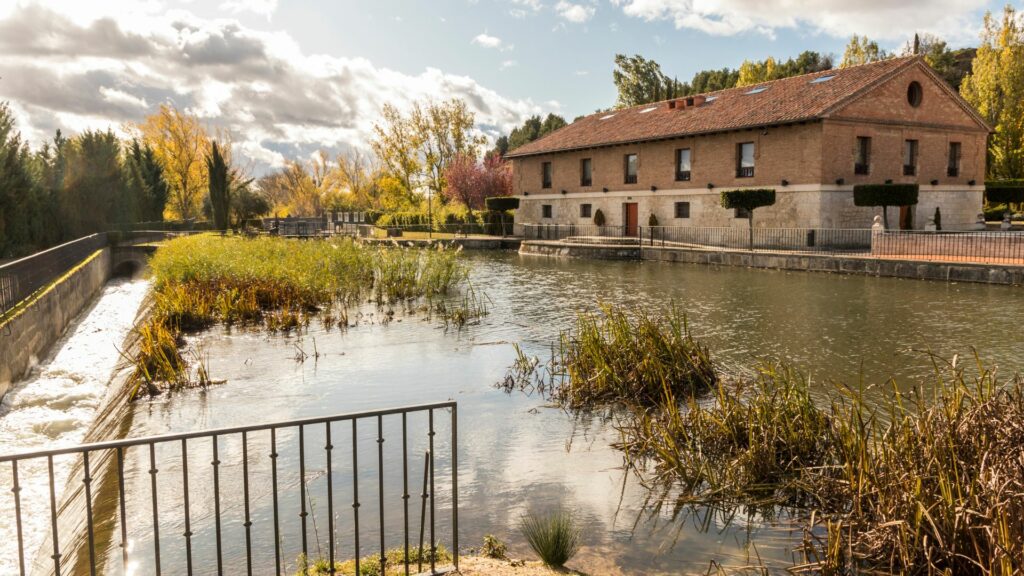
column 862, row 164
column 584, row 210
column 545, row 169
column 682, row 209
column 683, row 165
column 910, row 158
column 745, row 160
column 586, row 172
column 545, row 210
column 630, row 168
column 954, row 160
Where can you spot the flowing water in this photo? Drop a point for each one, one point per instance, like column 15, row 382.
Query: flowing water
column 54, row 406
column 515, row 452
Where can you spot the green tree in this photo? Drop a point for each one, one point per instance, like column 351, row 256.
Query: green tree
column 532, row 129
column 748, row 201
column 145, row 180
column 219, row 180
column 995, row 87
column 94, row 197
column 248, row 204
column 18, row 191
column 641, row 81
column 711, row 81
column 861, row 50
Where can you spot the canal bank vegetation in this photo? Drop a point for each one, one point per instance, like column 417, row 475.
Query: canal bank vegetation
column 280, row 285
column 929, row 481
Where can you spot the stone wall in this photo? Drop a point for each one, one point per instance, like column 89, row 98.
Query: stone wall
column 36, row 327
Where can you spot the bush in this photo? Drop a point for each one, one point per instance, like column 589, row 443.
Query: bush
column 885, row 194
column 502, row 203
column 653, row 220
column 994, row 212
column 553, row 536
column 748, row 199
column 1004, row 191
column 598, row 217
column 493, row 548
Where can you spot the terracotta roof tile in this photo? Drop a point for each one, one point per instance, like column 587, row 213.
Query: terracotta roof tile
column 781, row 101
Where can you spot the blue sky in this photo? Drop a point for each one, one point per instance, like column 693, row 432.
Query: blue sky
column 286, row 77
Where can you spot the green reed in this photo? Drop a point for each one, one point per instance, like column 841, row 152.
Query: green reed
column 915, row 485
column 553, row 536
column 280, row 285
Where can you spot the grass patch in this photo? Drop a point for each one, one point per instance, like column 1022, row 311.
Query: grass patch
column 280, row 285
column 394, row 560
column 614, row 357
column 552, row 535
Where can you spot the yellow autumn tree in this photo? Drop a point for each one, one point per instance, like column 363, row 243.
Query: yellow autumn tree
column 861, row 50
column 995, row 87
column 180, row 143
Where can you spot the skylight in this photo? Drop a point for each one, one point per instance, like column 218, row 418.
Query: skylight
column 651, row 109
column 711, row 99
column 821, row 79
column 758, row 90
column 607, row 117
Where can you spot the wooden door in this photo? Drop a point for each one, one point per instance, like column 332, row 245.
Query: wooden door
column 631, row 218
column 906, row 217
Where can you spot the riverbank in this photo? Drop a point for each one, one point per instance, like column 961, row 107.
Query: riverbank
column 805, row 262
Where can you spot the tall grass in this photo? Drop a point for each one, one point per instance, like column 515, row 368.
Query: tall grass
column 614, row 357
column 916, row 485
column 552, row 535
column 278, row 284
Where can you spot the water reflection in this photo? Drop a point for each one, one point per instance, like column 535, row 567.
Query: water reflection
column 516, row 453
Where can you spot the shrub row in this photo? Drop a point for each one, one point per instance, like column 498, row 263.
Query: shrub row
column 885, row 194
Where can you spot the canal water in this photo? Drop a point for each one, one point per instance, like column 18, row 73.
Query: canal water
column 54, row 406
column 516, row 453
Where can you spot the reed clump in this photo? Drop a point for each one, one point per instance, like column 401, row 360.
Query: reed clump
column 612, row 357
column 914, row 485
column 554, row 536
column 277, row 284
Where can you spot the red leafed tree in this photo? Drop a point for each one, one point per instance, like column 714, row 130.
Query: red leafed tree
column 471, row 182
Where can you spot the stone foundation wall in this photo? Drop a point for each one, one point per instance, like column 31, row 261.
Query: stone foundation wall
column 34, row 329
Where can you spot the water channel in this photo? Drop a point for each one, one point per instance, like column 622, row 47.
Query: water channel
column 516, row 452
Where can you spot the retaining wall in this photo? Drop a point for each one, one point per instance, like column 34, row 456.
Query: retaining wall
column 41, row 321
column 893, row 268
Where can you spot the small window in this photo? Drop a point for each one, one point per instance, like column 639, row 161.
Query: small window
column 584, row 210
column 741, row 213
column 953, row 170
column 651, row 109
column 545, row 210
column 607, row 117
column 757, row 90
column 683, row 165
column 910, row 158
column 821, row 79
column 915, row 94
column 545, row 175
column 862, row 165
column 586, row 172
column 630, row 168
column 682, row 209
column 745, row 160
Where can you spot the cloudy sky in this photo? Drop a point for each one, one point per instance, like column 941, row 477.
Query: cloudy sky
column 290, row 76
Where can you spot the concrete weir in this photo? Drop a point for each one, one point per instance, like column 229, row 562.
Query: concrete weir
column 871, row 266
column 40, row 321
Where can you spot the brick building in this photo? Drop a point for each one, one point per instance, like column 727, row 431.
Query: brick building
column 811, row 138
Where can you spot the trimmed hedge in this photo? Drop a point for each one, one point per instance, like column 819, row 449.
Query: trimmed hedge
column 502, row 203
column 885, row 194
column 748, row 199
column 1004, row 191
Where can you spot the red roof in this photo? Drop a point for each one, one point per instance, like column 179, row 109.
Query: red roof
column 795, row 99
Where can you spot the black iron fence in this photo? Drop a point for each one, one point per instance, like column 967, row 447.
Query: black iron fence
column 574, row 231
column 457, row 230
column 243, row 499
column 982, row 247
column 22, row 278
column 819, row 240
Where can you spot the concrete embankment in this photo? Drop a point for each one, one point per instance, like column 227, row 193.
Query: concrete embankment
column 469, row 243
column 865, row 265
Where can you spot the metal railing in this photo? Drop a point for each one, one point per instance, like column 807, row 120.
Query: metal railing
column 563, row 231
column 23, row 277
column 817, row 240
column 458, row 230
column 238, row 499
column 1001, row 247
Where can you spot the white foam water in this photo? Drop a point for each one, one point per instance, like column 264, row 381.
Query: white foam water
column 53, row 408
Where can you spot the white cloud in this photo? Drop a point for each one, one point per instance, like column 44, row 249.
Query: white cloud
column 487, row 41
column 576, row 13
column 260, row 7
column 880, row 19
column 508, row 64
column 117, row 65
